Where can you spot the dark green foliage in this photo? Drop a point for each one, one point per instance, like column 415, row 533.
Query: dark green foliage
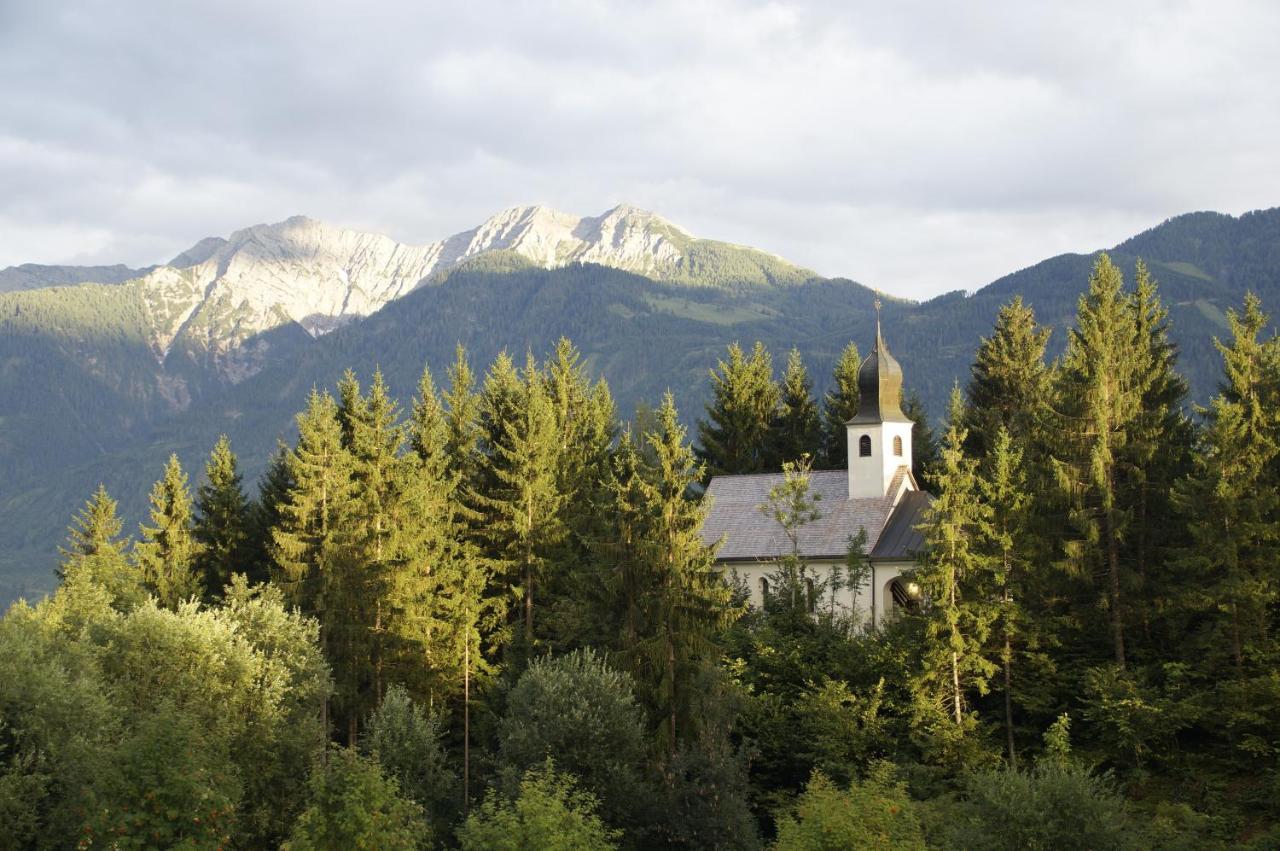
column 222, row 521
column 734, row 438
column 355, row 805
column 578, row 711
column 925, row 448
column 839, row 405
column 1056, row 805
column 407, row 741
column 795, row 431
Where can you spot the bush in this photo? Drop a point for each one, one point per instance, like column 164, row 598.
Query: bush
column 354, row 805
column 873, row 813
column 582, row 713
column 1057, row 806
column 405, row 740
column 548, row 814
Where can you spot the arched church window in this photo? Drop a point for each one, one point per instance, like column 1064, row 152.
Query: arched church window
column 764, row 588
column 811, row 594
column 864, row 446
column 897, row 446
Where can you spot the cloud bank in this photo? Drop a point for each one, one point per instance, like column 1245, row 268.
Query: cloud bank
column 916, row 147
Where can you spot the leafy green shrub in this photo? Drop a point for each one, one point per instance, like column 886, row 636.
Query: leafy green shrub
column 406, row 741
column 873, row 813
column 548, row 814
column 355, row 805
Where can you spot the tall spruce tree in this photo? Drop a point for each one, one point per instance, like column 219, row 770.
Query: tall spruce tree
column 1158, row 453
column 265, row 515
column 924, row 442
column 795, row 430
column 167, row 551
column 1231, row 509
column 523, row 523
column 839, row 405
column 956, row 580
column 734, row 437
column 1002, row 486
column 222, row 520
column 95, row 529
column 683, row 601
column 1100, row 396
column 94, row 553
column 315, row 549
column 1008, row 385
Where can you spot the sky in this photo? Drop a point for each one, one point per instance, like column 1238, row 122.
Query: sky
column 915, row 147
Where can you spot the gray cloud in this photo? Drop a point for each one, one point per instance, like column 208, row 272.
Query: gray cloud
column 918, row 147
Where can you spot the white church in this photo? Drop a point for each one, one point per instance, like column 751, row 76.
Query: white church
column 877, row 493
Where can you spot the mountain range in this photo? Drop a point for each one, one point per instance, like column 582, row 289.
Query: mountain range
column 106, row 370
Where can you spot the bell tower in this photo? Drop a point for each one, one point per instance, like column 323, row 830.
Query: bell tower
column 880, row 433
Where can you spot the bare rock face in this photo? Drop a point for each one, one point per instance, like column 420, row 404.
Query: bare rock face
column 222, row 293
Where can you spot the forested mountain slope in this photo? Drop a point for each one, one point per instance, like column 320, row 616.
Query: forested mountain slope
column 86, row 396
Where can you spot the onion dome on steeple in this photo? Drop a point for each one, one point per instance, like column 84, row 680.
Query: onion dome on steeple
column 879, row 385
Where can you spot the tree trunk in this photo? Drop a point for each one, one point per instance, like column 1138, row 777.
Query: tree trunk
column 466, row 725
column 955, row 686
column 1113, row 570
column 1008, row 699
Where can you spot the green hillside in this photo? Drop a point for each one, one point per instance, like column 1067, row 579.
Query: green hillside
column 82, row 398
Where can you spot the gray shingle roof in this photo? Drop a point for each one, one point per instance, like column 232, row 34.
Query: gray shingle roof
column 901, row 538
column 751, row 536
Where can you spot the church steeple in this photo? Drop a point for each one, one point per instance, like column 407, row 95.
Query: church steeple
column 879, row 385
column 880, row 433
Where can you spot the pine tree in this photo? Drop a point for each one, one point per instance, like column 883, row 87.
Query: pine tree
column 1158, row 454
column 1008, row 387
column 94, row 553
column 1101, row 398
column 682, row 600
column 222, row 520
column 1230, row 505
column 265, row 515
column 522, row 522
column 955, row 576
column 95, row 529
column 840, row 404
column 315, row 549
column 167, row 551
column 734, row 437
column 1002, row 486
column 794, row 430
column 924, row 442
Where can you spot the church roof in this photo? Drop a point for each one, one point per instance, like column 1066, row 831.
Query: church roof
column 902, row 538
column 879, row 387
column 749, row 535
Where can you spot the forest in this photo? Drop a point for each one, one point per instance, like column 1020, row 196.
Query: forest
column 486, row 618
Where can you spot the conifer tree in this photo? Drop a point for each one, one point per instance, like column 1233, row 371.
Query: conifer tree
column 1002, row 486
column 265, row 515
column 1008, row 386
column 924, row 442
column 839, row 405
column 315, row 549
column 683, row 600
column 222, row 520
column 795, row 430
column 95, row 529
column 1230, row 504
column 1101, row 398
column 95, row 553
column 167, row 551
column 955, row 576
column 462, row 424
column 522, row 522
column 734, row 437
column 1157, row 455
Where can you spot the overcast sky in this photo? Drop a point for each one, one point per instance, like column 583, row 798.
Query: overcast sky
column 911, row 146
